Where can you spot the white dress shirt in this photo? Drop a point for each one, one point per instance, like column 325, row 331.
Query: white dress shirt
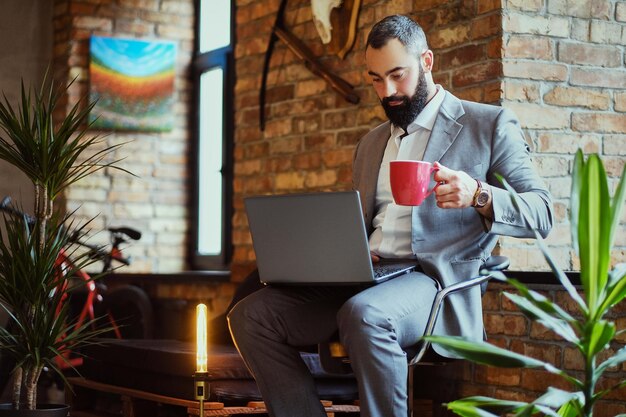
column 391, row 237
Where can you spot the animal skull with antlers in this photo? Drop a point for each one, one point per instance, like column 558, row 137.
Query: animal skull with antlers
column 321, row 17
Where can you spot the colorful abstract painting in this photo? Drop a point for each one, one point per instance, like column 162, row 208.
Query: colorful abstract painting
column 133, row 83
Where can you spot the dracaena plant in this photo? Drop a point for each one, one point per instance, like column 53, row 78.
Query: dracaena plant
column 594, row 217
column 53, row 154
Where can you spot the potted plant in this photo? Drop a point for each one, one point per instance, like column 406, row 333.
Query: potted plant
column 53, row 154
column 594, row 217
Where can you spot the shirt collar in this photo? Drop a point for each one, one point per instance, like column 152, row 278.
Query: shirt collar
column 426, row 118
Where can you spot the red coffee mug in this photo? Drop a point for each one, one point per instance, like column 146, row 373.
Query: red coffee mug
column 410, row 181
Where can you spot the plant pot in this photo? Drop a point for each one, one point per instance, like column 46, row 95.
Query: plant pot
column 43, row 410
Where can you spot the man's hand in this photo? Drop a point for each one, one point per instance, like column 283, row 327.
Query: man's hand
column 375, row 258
column 456, row 188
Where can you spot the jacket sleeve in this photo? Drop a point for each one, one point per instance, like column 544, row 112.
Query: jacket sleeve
column 511, row 160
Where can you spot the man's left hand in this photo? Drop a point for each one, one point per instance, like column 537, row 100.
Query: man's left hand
column 456, row 188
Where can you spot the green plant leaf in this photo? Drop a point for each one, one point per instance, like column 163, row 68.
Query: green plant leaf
column 52, row 157
column 478, row 406
column 598, row 395
column 555, row 398
column 616, row 287
column 488, row 354
column 571, row 409
column 574, row 205
column 571, row 290
column 618, row 358
column 616, row 275
column 598, row 335
column 541, row 301
column 533, row 409
column 594, row 232
column 535, row 312
column 617, row 204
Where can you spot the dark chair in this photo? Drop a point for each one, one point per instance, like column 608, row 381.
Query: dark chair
column 335, row 359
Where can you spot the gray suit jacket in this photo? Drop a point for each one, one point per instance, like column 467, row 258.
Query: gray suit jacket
column 451, row 244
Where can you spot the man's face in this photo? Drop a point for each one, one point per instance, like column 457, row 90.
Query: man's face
column 399, row 81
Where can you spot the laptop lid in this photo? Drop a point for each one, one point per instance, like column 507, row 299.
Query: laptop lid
column 314, row 238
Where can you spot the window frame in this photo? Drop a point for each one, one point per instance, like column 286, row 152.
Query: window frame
column 203, row 62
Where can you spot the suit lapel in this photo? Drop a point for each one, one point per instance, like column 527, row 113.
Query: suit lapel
column 366, row 167
column 446, row 128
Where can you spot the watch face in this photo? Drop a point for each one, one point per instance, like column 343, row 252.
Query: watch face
column 482, row 199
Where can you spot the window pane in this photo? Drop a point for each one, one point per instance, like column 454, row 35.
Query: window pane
column 210, row 216
column 214, row 24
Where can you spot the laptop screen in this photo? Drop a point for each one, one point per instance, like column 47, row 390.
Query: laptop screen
column 310, row 238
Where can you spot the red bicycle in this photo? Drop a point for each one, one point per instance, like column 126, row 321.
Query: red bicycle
column 125, row 309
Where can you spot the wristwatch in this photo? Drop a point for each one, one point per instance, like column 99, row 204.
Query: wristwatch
column 481, row 196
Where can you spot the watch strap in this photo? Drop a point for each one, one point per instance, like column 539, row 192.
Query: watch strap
column 477, row 193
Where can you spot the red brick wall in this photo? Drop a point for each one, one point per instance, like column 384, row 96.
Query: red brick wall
column 311, row 131
column 558, row 65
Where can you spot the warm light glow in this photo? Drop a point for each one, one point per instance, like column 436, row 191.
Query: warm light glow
column 201, row 328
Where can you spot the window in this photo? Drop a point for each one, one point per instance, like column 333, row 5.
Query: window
column 213, row 77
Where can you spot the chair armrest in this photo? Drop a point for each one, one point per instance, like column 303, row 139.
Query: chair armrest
column 496, row 263
column 492, row 264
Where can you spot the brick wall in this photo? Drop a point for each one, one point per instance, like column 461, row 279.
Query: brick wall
column 564, row 77
column 558, row 64
column 311, row 131
column 541, row 59
column 155, row 201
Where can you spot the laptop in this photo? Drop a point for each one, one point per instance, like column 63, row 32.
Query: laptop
column 315, row 238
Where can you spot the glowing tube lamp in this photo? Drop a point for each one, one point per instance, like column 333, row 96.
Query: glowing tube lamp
column 201, row 337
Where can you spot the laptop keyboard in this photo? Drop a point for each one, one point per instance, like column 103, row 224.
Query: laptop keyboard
column 384, row 270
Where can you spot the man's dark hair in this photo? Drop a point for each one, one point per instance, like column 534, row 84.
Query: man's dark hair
column 406, row 30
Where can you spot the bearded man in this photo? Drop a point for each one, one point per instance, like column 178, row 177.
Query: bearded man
column 449, row 236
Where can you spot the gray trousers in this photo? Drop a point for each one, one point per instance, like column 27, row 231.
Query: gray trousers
column 374, row 325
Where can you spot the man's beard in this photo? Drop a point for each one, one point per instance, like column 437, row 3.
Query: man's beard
column 404, row 114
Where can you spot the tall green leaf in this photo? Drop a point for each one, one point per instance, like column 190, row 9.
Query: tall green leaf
column 574, row 207
column 598, row 335
column 477, row 406
column 534, row 312
column 616, row 287
column 541, row 301
column 488, row 354
column 571, row 409
column 617, row 359
column 556, row 398
column 617, row 204
column 594, row 231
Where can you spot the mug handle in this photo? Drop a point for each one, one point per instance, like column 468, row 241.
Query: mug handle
column 433, row 169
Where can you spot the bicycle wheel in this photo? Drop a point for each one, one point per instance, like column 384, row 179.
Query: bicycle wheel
column 131, row 310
